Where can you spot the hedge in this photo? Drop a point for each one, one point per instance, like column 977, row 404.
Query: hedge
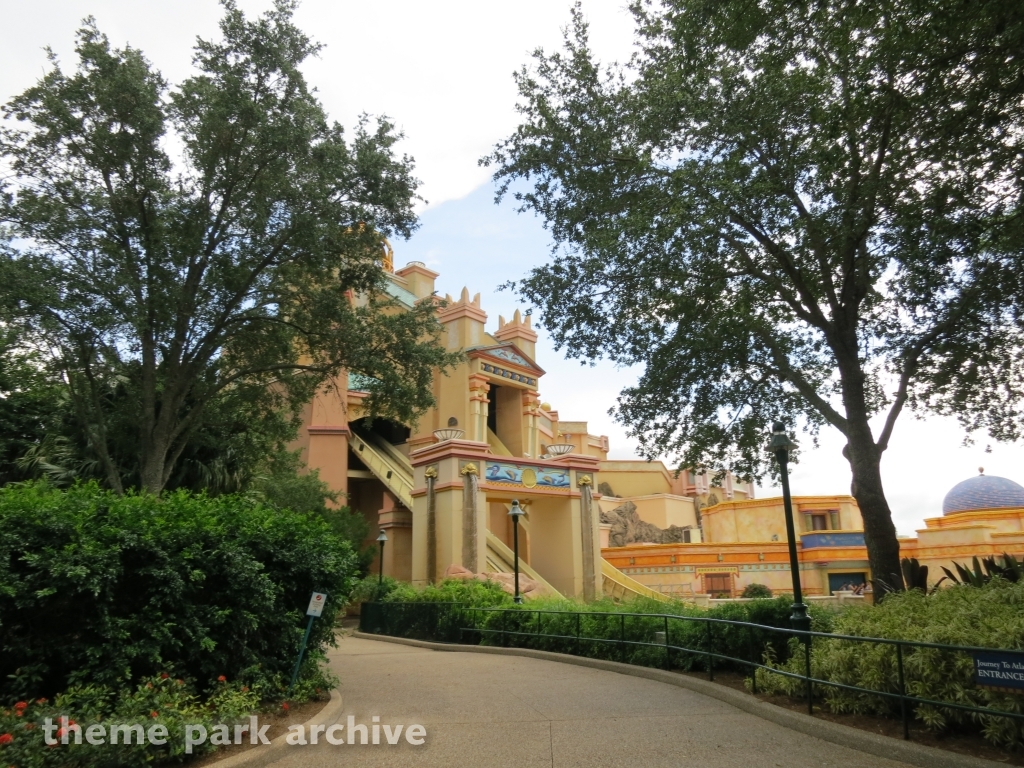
column 410, row 614
column 991, row 616
column 99, row 589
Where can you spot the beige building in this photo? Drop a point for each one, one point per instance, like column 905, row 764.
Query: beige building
column 441, row 488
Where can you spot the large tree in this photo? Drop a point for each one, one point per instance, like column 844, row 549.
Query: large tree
column 176, row 247
column 807, row 211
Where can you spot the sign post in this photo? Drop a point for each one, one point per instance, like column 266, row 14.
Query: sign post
column 316, row 607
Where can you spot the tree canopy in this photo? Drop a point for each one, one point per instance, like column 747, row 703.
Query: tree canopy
column 180, row 253
column 807, row 211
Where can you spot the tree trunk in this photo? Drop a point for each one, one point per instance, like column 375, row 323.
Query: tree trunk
column 879, row 531
column 151, row 470
column 865, row 457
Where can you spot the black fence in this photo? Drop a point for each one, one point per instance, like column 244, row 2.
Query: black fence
column 668, row 641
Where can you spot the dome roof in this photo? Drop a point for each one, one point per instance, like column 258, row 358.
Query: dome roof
column 983, row 492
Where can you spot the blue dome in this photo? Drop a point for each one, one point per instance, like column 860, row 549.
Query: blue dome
column 983, row 492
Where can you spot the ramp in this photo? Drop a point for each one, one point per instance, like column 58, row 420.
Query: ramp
column 618, row 586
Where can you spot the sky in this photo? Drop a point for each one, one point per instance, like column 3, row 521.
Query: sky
column 442, row 71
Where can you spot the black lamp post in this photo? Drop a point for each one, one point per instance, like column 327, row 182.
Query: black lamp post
column 515, row 513
column 382, row 539
column 781, row 445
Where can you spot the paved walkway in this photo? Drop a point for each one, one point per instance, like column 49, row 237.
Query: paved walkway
column 492, row 711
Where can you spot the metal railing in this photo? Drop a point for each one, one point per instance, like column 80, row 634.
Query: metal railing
column 650, row 635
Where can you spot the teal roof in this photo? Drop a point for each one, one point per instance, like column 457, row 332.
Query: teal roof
column 405, row 296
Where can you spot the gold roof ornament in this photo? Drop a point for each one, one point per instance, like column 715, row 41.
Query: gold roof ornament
column 387, row 256
column 469, row 469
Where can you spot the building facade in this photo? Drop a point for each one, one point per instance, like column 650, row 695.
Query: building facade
column 441, row 488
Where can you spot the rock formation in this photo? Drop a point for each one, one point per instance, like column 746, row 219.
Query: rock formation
column 527, row 586
column 628, row 528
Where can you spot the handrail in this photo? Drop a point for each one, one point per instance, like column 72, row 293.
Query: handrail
column 481, row 627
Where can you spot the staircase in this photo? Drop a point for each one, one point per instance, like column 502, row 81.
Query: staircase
column 386, row 463
column 393, row 469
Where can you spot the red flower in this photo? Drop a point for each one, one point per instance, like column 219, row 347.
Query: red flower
column 41, row 701
column 72, row 722
column 285, row 706
column 245, row 689
column 149, row 685
column 21, row 705
column 154, row 714
column 6, row 738
column 179, row 681
column 61, row 732
column 164, row 675
column 29, row 726
column 222, row 679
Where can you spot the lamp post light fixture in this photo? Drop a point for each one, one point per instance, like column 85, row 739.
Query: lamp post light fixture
column 515, row 513
column 382, row 540
column 781, row 446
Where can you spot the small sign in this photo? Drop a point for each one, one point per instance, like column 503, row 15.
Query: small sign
column 316, row 604
column 1003, row 671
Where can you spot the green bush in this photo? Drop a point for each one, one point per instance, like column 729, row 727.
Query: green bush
column 469, row 592
column 436, row 612
column 160, row 700
column 756, row 591
column 100, row 589
column 373, row 588
column 989, row 616
column 552, row 624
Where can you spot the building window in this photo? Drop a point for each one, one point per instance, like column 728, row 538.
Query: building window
column 822, row 521
column 718, row 585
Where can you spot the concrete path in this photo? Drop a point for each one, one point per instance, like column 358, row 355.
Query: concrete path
column 491, row 711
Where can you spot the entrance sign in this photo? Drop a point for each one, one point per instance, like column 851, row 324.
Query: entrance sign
column 1000, row 670
column 316, row 604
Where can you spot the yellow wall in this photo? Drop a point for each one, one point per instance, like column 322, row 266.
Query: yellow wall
column 636, row 478
column 664, row 510
column 763, row 519
column 960, row 537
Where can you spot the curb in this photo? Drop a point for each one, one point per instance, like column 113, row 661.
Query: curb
column 843, row 735
column 262, row 756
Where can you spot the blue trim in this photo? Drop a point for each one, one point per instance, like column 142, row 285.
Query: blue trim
column 832, row 539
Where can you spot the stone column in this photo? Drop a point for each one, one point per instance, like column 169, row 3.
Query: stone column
column 531, row 438
column 478, row 406
column 430, row 473
column 587, row 531
column 469, row 514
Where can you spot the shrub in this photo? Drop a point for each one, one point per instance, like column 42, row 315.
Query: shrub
column 756, row 591
column 373, row 588
column 469, row 592
column 988, row 616
column 160, row 700
column 102, row 589
column 551, row 624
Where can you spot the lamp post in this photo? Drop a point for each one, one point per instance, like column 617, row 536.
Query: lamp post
column 382, row 540
column 781, row 445
column 515, row 513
